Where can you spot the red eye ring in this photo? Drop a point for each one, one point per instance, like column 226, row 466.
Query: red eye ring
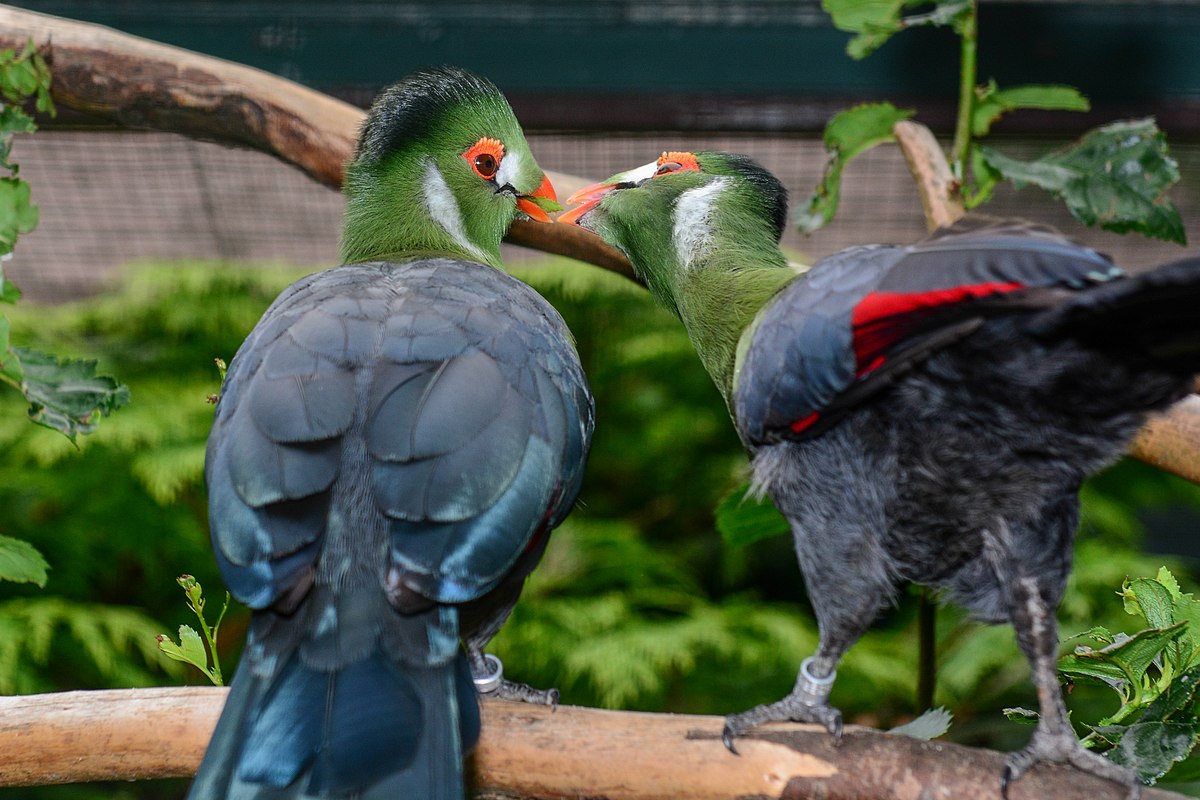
column 677, row 162
column 484, row 157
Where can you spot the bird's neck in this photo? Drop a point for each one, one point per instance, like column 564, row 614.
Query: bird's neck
column 719, row 298
column 409, row 208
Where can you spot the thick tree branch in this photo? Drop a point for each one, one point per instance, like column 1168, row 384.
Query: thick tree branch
column 533, row 752
column 935, row 182
column 1171, row 441
column 140, row 83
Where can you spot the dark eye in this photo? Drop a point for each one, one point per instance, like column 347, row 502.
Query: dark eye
column 486, row 165
column 670, row 166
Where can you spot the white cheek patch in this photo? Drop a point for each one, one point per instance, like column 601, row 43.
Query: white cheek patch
column 692, row 233
column 510, row 168
column 643, row 173
column 443, row 208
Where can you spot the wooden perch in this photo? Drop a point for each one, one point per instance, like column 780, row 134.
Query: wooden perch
column 139, row 83
column 533, row 752
column 936, row 184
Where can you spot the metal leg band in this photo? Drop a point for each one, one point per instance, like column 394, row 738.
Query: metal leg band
column 486, row 684
column 810, row 689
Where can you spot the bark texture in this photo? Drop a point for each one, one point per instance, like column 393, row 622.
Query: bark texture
column 534, row 753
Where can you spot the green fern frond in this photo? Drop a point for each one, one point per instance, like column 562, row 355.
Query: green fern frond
column 116, row 644
column 166, row 471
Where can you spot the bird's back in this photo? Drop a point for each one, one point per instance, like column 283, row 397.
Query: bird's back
column 391, row 439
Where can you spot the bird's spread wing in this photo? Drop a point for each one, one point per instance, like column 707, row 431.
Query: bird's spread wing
column 436, row 399
column 858, row 320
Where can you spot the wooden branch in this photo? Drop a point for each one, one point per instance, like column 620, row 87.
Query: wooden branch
column 533, row 752
column 138, row 83
column 1171, row 441
column 143, row 84
column 936, row 184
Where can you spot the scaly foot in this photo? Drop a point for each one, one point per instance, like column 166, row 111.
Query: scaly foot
column 1065, row 749
column 808, row 702
column 792, row 708
column 488, row 673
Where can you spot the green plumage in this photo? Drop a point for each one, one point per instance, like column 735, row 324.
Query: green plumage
column 719, row 287
column 387, row 182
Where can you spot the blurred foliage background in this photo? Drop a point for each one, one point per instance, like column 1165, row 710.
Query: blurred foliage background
column 638, row 603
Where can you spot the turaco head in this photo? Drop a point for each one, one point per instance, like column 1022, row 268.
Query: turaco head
column 702, row 230
column 685, row 214
column 441, row 167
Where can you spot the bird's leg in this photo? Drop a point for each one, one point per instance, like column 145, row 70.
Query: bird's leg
column 1053, row 740
column 488, row 673
column 808, row 702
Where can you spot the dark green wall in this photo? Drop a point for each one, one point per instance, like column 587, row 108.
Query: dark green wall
column 1128, row 55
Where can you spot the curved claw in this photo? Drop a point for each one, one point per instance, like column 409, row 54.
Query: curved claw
column 727, row 740
column 552, row 699
column 1006, row 778
column 836, row 731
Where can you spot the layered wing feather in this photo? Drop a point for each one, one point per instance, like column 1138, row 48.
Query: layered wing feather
column 464, row 388
column 845, row 330
column 391, row 438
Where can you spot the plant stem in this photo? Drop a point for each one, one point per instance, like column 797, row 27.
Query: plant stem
column 927, row 650
column 968, row 36
column 210, row 634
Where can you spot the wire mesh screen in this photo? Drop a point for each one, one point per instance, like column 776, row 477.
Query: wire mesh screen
column 115, row 197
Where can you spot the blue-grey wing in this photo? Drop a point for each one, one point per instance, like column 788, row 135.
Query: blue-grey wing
column 452, row 393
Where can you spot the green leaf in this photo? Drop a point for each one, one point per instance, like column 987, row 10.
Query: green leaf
column 876, row 21
column 1151, row 599
column 1169, row 583
column 933, row 723
column 1184, row 608
column 9, row 293
column 1154, row 601
column 1150, row 748
column 983, row 180
column 13, row 120
column 1116, row 176
column 10, row 363
column 1098, row 633
column 189, row 650
column 1126, row 660
column 1022, row 716
column 21, row 562
column 17, row 214
column 741, row 519
column 992, row 102
column 1106, row 736
column 850, row 133
column 1174, row 698
column 68, row 396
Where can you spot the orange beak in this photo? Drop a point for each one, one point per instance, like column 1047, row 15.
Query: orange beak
column 590, row 197
column 528, row 202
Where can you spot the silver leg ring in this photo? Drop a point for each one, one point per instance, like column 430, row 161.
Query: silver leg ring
column 811, row 689
column 486, row 684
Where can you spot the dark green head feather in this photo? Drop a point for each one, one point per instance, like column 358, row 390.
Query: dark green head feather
column 702, row 230
column 409, row 188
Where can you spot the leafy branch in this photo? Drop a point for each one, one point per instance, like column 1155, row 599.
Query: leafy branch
column 1116, row 176
column 1154, row 673
column 190, row 649
column 65, row 395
